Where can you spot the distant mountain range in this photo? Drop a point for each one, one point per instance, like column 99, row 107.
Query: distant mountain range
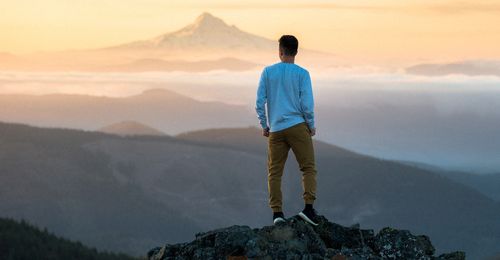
column 161, row 109
column 129, row 194
column 412, row 131
column 206, row 44
column 125, row 128
column 416, row 130
column 468, row 67
column 413, row 126
column 486, row 183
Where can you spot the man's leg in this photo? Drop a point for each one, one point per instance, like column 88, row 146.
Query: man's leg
column 302, row 146
column 277, row 154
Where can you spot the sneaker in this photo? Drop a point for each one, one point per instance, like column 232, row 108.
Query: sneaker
column 309, row 215
column 278, row 217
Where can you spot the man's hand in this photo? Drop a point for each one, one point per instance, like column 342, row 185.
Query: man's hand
column 312, row 131
column 265, row 132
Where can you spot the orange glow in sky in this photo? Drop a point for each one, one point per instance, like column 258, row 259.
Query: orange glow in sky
column 365, row 30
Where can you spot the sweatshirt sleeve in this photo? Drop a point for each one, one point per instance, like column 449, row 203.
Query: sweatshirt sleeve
column 307, row 100
column 262, row 100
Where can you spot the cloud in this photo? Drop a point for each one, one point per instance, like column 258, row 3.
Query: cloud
column 333, row 86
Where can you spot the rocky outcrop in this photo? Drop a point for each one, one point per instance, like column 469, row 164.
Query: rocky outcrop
column 296, row 239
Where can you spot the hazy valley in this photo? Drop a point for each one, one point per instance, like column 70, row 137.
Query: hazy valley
column 128, row 194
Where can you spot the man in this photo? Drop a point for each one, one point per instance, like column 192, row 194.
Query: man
column 286, row 89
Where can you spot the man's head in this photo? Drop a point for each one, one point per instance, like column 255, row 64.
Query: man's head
column 288, row 46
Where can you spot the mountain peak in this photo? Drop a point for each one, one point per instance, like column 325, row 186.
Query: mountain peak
column 206, row 32
column 130, row 127
column 206, row 23
column 209, row 32
column 207, row 19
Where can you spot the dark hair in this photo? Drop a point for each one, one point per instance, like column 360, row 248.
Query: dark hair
column 289, row 44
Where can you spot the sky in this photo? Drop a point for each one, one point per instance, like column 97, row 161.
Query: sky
column 374, row 31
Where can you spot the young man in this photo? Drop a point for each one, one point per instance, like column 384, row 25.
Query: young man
column 286, row 89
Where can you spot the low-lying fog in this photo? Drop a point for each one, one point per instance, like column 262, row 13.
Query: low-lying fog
column 448, row 121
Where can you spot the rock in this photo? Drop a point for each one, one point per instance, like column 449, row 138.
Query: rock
column 336, row 236
column 401, row 244
column 296, row 239
column 452, row 256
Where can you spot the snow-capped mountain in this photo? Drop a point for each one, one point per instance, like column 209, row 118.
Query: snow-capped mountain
column 207, row 44
column 206, row 33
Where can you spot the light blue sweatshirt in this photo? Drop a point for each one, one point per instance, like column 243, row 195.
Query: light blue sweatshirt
column 287, row 91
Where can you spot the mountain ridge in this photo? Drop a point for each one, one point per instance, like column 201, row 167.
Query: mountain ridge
column 130, row 127
column 153, row 190
column 464, row 67
column 180, row 112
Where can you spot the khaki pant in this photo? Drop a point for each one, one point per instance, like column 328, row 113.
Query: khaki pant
column 298, row 138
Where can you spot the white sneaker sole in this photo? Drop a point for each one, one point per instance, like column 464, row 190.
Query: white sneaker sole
column 278, row 219
column 304, row 217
